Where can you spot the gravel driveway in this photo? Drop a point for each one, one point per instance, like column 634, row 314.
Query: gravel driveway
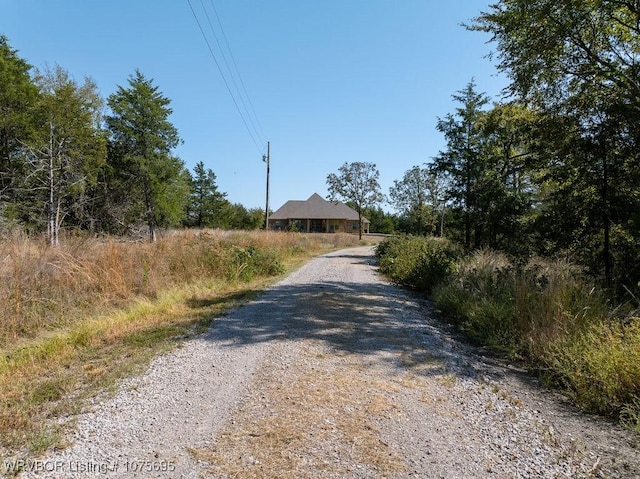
column 335, row 373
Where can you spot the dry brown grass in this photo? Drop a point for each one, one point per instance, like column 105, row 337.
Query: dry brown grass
column 314, row 419
column 44, row 288
column 78, row 317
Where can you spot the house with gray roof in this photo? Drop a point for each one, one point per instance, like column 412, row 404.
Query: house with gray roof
column 317, row 215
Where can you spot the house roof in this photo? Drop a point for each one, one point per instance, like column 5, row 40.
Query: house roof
column 315, row 208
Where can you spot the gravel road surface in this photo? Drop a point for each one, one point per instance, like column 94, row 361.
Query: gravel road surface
column 333, row 372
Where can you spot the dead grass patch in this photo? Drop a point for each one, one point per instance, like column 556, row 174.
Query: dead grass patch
column 448, row 380
column 318, row 421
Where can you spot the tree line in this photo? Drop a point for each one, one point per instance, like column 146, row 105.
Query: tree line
column 68, row 158
column 555, row 168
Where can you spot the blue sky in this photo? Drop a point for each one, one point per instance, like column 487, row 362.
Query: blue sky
column 330, row 81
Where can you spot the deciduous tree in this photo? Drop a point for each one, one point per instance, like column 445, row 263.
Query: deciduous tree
column 357, row 183
column 576, row 63
column 416, row 196
column 65, row 154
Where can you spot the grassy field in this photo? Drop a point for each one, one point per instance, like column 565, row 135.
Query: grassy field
column 544, row 312
column 79, row 317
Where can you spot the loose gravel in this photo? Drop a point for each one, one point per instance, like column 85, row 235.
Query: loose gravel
column 333, row 372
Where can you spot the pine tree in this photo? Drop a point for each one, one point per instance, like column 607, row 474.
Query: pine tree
column 18, row 97
column 146, row 182
column 208, row 207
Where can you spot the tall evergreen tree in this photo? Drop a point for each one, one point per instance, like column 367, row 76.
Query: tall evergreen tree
column 146, row 182
column 463, row 161
column 18, row 96
column 488, row 172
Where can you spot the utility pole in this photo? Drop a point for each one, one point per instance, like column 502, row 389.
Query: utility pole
column 266, row 158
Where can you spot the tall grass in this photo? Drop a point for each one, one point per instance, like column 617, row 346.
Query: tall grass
column 78, row 317
column 45, row 288
column 548, row 314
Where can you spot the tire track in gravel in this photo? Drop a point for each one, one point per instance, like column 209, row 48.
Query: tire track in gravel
column 335, row 373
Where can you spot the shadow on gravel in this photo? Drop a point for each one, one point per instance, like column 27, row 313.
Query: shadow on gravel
column 356, row 259
column 225, row 299
column 355, row 318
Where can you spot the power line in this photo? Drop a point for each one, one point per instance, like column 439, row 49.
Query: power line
column 231, row 74
column 226, row 83
column 235, row 65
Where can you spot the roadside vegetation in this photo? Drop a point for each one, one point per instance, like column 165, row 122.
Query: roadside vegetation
column 541, row 191
column 544, row 312
column 79, row 316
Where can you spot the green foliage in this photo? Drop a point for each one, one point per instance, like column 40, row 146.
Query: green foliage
column 479, row 298
column 547, row 313
column 418, row 262
column 489, row 184
column 245, row 263
column 418, row 197
column 208, row 207
column 381, row 222
column 463, row 161
column 600, row 368
column 630, row 415
column 519, row 308
column 356, row 183
column 146, row 182
column 18, row 96
column 574, row 64
column 231, row 259
column 241, row 218
column 60, row 169
column 544, row 312
column 65, row 154
column 556, row 50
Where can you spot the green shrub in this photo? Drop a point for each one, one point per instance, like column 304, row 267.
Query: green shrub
column 547, row 313
column 418, row 262
column 246, row 263
column 519, row 308
column 543, row 311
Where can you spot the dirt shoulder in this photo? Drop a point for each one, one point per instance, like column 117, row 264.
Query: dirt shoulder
column 335, row 373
